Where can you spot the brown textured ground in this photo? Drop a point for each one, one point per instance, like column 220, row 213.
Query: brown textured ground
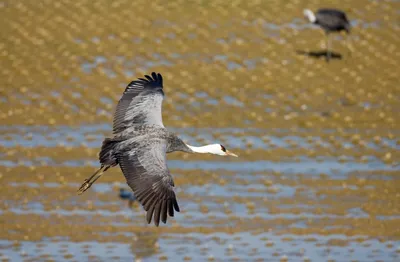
column 318, row 173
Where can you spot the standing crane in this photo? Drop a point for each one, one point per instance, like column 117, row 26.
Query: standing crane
column 331, row 20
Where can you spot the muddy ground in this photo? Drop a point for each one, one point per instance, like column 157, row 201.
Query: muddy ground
column 318, row 177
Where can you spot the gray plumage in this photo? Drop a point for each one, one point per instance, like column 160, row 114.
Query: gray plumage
column 139, row 146
column 332, row 20
column 140, row 104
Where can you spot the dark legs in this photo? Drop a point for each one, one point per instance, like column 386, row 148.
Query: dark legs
column 89, row 181
column 328, row 47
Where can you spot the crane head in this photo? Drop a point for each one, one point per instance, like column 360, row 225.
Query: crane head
column 226, row 152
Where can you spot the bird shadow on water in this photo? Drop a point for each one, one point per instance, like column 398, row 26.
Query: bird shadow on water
column 319, row 54
column 144, row 245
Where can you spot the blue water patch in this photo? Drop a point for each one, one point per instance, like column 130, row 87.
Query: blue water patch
column 330, row 167
column 92, row 136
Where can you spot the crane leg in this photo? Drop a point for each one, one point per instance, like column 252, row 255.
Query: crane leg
column 89, row 181
column 328, row 48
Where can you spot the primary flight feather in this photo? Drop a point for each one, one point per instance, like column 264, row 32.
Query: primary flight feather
column 139, row 146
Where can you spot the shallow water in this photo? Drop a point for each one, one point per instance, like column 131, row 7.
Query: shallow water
column 318, row 174
column 294, row 208
column 215, row 247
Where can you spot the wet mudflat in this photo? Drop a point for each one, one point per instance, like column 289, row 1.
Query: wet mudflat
column 318, row 177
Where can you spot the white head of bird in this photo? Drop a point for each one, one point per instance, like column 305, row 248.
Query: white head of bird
column 215, row 149
column 309, row 15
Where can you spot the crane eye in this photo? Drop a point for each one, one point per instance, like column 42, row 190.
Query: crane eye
column 223, row 148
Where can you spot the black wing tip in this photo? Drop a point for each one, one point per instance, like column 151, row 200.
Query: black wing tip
column 155, row 79
column 176, row 206
column 156, row 213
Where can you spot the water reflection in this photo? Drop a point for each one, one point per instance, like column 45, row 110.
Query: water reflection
column 145, row 243
column 318, row 174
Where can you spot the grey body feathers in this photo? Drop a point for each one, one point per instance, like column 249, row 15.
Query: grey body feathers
column 332, row 20
column 141, row 137
column 140, row 145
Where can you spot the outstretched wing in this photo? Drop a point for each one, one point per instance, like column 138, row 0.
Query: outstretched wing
column 140, row 103
column 146, row 172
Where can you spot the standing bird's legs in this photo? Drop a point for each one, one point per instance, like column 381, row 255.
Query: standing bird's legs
column 328, row 47
column 89, row 181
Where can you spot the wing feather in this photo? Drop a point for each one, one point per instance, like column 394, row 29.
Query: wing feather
column 141, row 103
column 146, row 172
column 332, row 19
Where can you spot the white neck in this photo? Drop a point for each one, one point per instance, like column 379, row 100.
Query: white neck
column 212, row 149
column 310, row 15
